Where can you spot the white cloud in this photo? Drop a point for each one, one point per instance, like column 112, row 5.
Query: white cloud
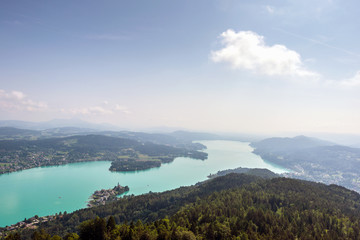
column 107, row 109
column 122, row 109
column 100, row 110
column 16, row 100
column 18, row 95
column 248, row 50
column 97, row 110
column 352, row 82
column 270, row 9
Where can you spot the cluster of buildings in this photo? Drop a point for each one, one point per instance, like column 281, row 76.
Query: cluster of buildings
column 103, row 196
column 31, row 223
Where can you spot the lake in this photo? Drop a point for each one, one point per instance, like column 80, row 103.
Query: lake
column 49, row 190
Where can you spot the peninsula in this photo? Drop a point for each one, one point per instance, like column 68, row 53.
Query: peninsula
column 17, row 155
column 104, row 196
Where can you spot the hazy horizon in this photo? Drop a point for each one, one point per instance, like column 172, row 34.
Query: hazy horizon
column 214, row 66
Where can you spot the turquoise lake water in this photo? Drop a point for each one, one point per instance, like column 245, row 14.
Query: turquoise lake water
column 49, row 190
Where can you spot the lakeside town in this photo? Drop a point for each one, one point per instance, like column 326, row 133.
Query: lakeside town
column 103, row 196
column 30, row 223
column 100, row 197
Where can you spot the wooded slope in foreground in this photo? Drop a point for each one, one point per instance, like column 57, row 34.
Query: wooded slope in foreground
column 236, row 206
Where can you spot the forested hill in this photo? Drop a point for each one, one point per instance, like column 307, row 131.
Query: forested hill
column 263, row 172
column 235, row 206
column 313, row 159
column 16, row 133
column 278, row 144
column 23, row 154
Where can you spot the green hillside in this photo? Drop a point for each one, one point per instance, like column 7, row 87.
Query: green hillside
column 313, row 159
column 16, row 155
column 235, row 206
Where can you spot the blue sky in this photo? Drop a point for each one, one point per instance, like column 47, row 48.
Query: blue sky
column 210, row 65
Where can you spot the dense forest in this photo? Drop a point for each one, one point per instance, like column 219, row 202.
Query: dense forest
column 133, row 165
column 263, row 172
column 235, row 206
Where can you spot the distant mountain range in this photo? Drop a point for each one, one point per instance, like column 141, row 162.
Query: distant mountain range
column 13, row 129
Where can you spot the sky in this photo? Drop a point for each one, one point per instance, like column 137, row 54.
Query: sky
column 206, row 65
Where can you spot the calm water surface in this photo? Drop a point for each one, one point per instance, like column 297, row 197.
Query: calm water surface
column 49, row 190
